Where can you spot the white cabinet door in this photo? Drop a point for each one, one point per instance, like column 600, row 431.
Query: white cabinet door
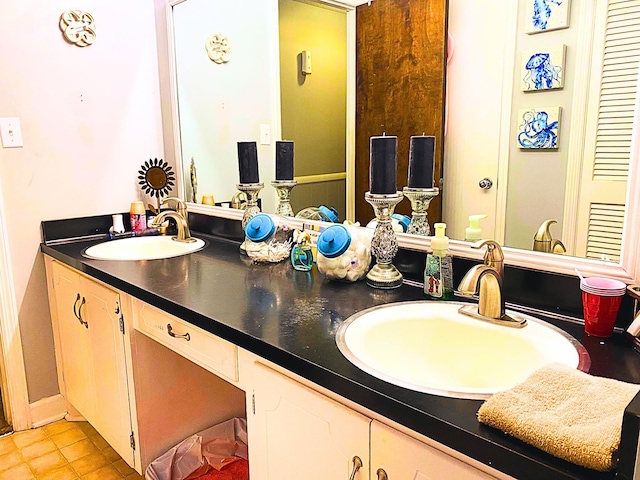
column 112, row 418
column 300, row 434
column 92, row 354
column 405, row 458
column 75, row 344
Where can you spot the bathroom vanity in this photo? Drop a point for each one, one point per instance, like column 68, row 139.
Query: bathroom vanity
column 150, row 352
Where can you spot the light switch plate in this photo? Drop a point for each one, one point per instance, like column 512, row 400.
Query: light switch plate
column 10, row 132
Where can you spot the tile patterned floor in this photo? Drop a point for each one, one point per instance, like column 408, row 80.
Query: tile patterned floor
column 61, row 451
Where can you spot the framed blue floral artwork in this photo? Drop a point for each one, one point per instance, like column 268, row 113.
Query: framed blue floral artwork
column 542, row 69
column 545, row 15
column 539, row 127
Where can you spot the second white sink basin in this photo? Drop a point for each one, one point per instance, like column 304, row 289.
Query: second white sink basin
column 142, row 248
column 431, row 348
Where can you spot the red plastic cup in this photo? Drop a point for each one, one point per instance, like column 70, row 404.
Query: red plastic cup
column 600, row 313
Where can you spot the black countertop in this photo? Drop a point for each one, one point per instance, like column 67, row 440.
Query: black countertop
column 290, row 318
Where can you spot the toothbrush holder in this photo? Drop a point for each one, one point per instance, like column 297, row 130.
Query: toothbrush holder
column 420, row 199
column 384, row 245
column 283, row 190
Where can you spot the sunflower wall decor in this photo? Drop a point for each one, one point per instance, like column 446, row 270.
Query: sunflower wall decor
column 156, row 178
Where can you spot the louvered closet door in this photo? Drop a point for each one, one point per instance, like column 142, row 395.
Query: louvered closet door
column 610, row 130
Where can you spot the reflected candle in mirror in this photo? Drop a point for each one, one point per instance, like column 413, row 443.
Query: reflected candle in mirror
column 284, row 160
column 421, row 153
column 248, row 162
column 383, row 164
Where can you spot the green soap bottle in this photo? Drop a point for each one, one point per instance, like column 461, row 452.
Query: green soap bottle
column 438, row 272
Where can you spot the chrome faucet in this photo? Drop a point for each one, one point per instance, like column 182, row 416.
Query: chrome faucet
column 180, row 217
column 486, row 280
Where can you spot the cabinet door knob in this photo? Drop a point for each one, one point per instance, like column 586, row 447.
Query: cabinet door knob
column 75, row 306
column 82, row 321
column 357, row 465
column 382, row 475
column 186, row 336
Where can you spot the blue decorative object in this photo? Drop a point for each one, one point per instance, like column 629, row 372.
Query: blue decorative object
column 542, row 12
column 539, row 129
column 541, row 73
column 546, row 15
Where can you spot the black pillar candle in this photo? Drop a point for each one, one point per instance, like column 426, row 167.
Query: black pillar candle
column 248, row 162
column 284, row 160
column 421, row 152
column 383, row 164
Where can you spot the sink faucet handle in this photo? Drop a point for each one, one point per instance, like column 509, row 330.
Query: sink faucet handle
column 181, row 208
column 493, row 257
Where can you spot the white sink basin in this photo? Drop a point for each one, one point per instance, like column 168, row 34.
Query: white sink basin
column 430, row 347
column 142, row 248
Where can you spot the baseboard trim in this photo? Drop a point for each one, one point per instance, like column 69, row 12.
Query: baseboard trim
column 48, row 410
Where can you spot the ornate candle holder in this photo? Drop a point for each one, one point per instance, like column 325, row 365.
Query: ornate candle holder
column 283, row 190
column 420, row 199
column 384, row 244
column 251, row 190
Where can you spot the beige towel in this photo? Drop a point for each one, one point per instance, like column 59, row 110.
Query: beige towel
column 565, row 412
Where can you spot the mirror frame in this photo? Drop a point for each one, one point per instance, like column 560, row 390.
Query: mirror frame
column 627, row 270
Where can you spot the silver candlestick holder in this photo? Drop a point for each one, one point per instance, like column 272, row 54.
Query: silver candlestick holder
column 420, row 199
column 283, row 190
column 251, row 190
column 384, row 244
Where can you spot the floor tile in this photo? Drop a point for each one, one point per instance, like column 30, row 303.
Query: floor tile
column 57, row 427
column 65, row 439
column 22, row 439
column 19, row 472
column 111, row 454
column 46, row 463
column 105, row 473
column 10, row 460
column 63, row 473
column 89, row 464
column 99, row 442
column 79, row 449
column 37, row 449
column 134, row 476
column 7, row 445
column 87, row 428
column 123, row 467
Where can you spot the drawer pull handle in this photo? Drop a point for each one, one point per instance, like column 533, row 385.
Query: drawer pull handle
column 186, row 336
column 82, row 321
column 357, row 465
column 382, row 475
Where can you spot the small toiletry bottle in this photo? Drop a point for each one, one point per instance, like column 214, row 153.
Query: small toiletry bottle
column 138, row 216
column 473, row 232
column 438, row 273
column 118, row 224
column 301, row 255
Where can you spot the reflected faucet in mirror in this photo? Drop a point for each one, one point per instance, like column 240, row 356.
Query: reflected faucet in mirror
column 543, row 241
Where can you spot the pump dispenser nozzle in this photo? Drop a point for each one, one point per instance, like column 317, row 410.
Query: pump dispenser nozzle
column 473, row 232
column 440, row 242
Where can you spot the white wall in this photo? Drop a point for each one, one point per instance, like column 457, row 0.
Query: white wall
column 90, row 117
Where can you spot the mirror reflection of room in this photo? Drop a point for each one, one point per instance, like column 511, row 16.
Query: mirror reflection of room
column 485, row 170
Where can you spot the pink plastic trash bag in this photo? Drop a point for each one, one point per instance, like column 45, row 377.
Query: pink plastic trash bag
column 214, row 447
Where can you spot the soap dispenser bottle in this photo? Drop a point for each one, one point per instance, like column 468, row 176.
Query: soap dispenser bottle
column 438, row 273
column 473, row 232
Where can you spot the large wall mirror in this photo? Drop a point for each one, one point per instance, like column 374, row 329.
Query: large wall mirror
column 585, row 183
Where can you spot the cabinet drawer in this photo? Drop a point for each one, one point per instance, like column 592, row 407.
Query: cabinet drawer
column 216, row 355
